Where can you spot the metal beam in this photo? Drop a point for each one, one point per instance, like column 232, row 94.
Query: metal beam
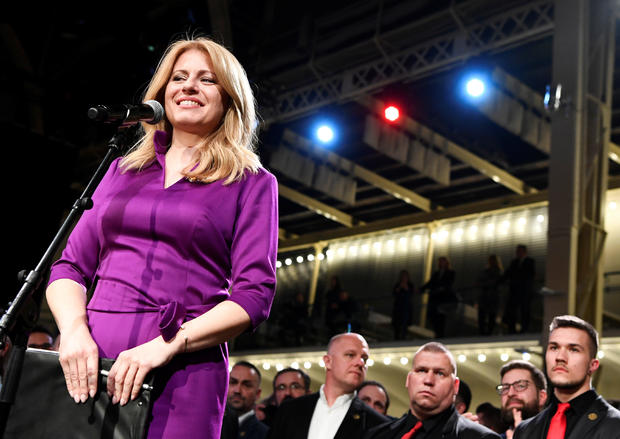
column 283, row 234
column 394, row 189
column 535, row 100
column 583, row 60
column 526, row 22
column 318, row 207
column 403, row 221
column 476, row 208
column 497, row 174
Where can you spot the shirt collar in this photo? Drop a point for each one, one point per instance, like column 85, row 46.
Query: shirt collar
column 245, row 416
column 578, row 404
column 341, row 400
column 161, row 139
column 429, row 424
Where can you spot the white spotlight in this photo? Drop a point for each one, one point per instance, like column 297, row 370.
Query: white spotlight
column 475, row 87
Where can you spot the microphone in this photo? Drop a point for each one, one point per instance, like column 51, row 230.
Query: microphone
column 150, row 112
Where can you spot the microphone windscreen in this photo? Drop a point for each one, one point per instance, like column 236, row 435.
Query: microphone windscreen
column 158, row 111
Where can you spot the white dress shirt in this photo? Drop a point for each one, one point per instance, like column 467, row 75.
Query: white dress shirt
column 245, row 416
column 326, row 420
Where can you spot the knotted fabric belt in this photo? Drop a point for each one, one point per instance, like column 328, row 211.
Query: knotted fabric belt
column 173, row 314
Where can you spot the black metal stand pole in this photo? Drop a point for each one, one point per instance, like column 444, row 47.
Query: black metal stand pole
column 23, row 310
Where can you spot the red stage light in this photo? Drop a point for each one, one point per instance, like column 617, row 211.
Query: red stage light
column 391, row 113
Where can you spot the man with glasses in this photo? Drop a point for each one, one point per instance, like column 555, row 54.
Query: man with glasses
column 576, row 411
column 289, row 383
column 523, row 390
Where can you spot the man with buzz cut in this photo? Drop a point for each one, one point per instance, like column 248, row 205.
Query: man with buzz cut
column 335, row 412
column 432, row 384
column 576, row 411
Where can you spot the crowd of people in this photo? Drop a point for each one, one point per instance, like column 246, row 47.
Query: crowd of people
column 338, row 310
column 559, row 403
column 179, row 252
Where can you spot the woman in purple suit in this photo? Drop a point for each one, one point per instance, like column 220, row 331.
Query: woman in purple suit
column 180, row 249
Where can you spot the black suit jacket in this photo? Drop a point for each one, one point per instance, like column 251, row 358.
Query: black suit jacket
column 521, row 276
column 252, row 428
column 601, row 421
column 293, row 419
column 457, row 427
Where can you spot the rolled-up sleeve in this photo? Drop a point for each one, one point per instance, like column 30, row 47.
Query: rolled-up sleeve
column 254, row 248
column 80, row 258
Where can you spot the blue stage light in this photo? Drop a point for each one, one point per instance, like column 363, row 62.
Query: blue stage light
column 475, row 87
column 325, row 133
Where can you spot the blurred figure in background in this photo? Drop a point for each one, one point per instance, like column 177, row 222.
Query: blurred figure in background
column 402, row 310
column 441, row 298
column 488, row 300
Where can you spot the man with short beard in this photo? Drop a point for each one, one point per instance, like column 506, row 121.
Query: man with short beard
column 243, row 392
column 523, row 391
column 576, row 411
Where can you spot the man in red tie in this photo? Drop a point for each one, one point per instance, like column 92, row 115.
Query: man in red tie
column 432, row 384
column 576, row 411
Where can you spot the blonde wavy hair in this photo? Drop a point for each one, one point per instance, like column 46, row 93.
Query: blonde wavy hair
column 227, row 152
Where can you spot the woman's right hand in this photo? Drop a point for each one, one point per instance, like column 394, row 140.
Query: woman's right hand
column 79, row 358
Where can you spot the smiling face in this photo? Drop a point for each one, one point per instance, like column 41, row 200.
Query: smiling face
column 432, row 384
column 569, row 361
column 345, row 363
column 194, row 102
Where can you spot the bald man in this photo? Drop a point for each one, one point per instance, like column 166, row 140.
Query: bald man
column 335, row 412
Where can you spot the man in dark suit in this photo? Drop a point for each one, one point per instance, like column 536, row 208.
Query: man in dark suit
column 442, row 299
column 432, row 384
column 374, row 395
column 289, row 383
column 521, row 274
column 243, row 392
column 576, row 410
column 334, row 412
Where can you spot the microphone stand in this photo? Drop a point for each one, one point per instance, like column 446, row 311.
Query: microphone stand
column 23, row 311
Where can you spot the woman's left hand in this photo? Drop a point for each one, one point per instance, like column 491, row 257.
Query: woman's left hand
column 131, row 367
